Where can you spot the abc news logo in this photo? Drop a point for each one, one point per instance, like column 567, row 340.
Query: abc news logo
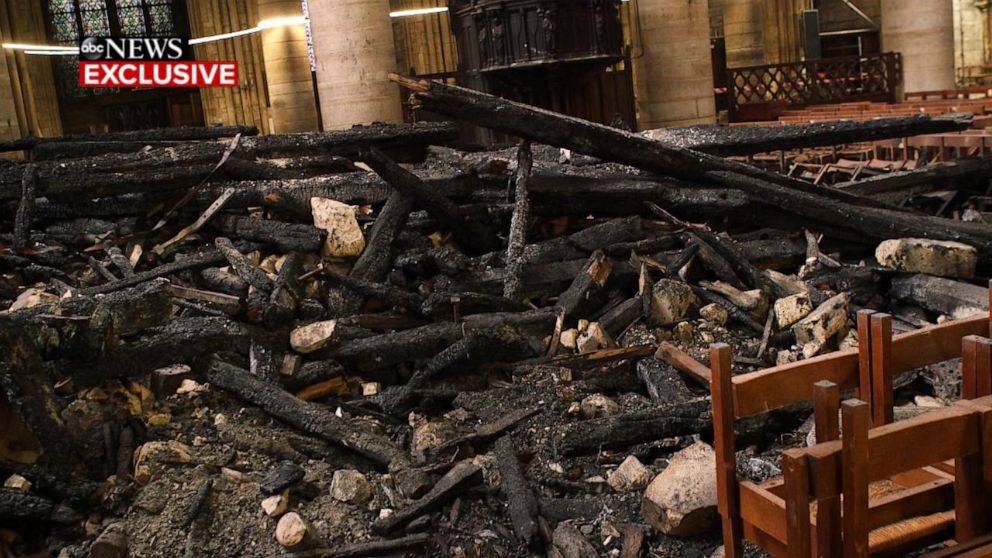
column 149, row 62
column 134, row 49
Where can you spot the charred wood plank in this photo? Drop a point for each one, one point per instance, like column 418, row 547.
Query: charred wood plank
column 249, row 272
column 178, row 133
column 304, row 416
column 185, row 340
column 388, row 349
column 896, row 186
column 23, row 506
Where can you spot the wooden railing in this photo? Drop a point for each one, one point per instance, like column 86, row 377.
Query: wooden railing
column 757, row 92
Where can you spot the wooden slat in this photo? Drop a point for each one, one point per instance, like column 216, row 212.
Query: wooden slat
column 969, row 498
column 909, row 444
column 764, row 510
column 864, row 354
column 796, row 475
column 924, row 499
column 826, row 406
column 855, row 460
column 722, row 396
column 881, row 370
column 935, row 343
column 773, row 388
column 969, row 367
column 770, row 545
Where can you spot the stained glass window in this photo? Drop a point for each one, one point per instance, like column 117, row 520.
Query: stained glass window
column 70, row 20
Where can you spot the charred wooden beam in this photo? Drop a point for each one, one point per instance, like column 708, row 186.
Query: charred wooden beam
column 470, row 233
column 290, row 237
column 377, row 258
column 898, row 185
column 597, row 140
column 522, row 506
column 749, row 140
column 178, row 133
column 382, row 351
column 871, row 223
column 517, row 238
column 636, row 427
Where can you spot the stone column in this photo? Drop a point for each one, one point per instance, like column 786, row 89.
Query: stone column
column 287, row 69
column 743, row 33
column 924, row 33
column 673, row 78
column 353, row 44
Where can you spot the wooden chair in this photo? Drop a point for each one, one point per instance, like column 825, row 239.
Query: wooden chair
column 757, row 511
column 914, row 503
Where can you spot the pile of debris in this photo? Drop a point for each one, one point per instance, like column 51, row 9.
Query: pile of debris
column 366, row 343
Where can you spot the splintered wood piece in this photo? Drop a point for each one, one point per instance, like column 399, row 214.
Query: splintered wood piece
column 684, row 363
column 195, row 225
column 252, row 274
column 461, row 476
column 203, row 259
column 583, row 296
column 855, row 416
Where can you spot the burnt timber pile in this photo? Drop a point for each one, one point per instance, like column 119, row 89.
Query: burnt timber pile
column 371, row 343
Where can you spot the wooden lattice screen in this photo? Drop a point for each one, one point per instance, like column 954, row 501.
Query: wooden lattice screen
column 812, row 82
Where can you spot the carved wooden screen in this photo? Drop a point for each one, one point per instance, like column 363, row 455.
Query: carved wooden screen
column 833, row 80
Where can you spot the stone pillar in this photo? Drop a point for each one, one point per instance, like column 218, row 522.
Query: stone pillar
column 287, row 70
column 924, row 33
column 673, row 78
column 743, row 33
column 353, row 44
